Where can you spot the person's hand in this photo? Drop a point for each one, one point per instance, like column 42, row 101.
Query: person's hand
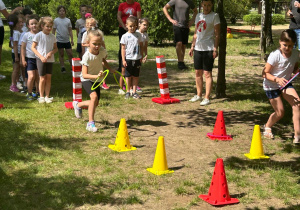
column 281, row 81
column 174, row 22
column 43, row 59
column 124, row 63
column 48, row 55
column 215, row 54
column 100, row 74
column 191, row 52
column 296, row 4
column 24, row 63
column 145, row 59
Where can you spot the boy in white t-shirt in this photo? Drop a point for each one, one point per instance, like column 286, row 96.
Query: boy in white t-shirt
column 79, row 25
column 205, row 49
column 131, row 55
column 63, row 28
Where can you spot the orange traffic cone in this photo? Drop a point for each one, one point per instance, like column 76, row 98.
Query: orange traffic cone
column 218, row 193
column 122, row 143
column 219, row 132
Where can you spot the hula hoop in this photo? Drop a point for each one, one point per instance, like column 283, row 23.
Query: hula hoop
column 93, row 88
column 123, row 80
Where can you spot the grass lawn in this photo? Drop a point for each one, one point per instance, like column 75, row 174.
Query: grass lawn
column 49, row 161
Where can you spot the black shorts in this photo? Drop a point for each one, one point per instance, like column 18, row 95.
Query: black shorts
column 271, row 94
column 87, row 85
column 44, row 68
column 31, row 64
column 13, row 57
column 79, row 48
column 181, row 34
column 1, row 35
column 65, row 45
column 133, row 68
column 203, row 60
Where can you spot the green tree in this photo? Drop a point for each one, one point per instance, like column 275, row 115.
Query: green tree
column 234, row 9
column 39, row 6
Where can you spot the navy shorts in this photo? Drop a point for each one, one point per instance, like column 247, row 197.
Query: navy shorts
column 133, row 68
column 271, row 94
column 31, row 64
column 203, row 60
column 79, row 48
column 181, row 34
column 87, row 85
column 1, row 35
column 65, row 45
column 13, row 57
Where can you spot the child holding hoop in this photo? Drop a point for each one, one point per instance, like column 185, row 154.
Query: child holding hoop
column 92, row 68
column 278, row 69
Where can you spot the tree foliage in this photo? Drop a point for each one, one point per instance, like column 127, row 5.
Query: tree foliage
column 234, row 9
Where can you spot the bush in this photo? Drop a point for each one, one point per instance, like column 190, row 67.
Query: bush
column 252, row 19
column 278, row 19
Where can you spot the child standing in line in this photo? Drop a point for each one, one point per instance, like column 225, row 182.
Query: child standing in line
column 91, row 24
column 22, row 77
column 79, row 25
column 132, row 55
column 205, row 49
column 28, row 56
column 143, row 27
column 92, row 68
column 44, row 46
column 278, row 69
column 15, row 25
column 63, row 28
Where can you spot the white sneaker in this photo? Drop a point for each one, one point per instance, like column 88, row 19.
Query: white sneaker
column 90, row 126
column 121, row 92
column 195, row 98
column 205, row 102
column 77, row 110
column 296, row 140
column 48, row 100
column 19, row 86
column 41, row 100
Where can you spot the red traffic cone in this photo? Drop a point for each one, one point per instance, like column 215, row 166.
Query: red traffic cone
column 219, row 132
column 218, row 193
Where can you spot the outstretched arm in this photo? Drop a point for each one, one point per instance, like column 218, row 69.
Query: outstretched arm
column 165, row 10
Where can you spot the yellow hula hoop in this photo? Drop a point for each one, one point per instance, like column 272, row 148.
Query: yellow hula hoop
column 123, row 80
column 93, row 88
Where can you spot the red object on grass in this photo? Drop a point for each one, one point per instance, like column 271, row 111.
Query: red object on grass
column 1, row 106
column 219, row 132
column 218, row 193
column 242, row 31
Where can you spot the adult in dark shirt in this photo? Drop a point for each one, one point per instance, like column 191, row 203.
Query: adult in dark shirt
column 294, row 13
column 181, row 25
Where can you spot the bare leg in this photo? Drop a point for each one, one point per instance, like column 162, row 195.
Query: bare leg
column 199, row 82
column 278, row 114
column 209, row 82
column 48, row 84
column 129, row 82
column 42, row 85
column 179, row 52
column 61, row 57
column 30, row 81
column 135, row 82
column 121, row 78
column 37, row 79
column 16, row 68
column 70, row 55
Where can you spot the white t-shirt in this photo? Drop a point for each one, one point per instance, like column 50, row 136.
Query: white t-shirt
column 45, row 44
column 132, row 47
column 24, row 28
column 21, row 38
column 62, row 26
column 2, row 7
column 93, row 62
column 204, row 24
column 16, row 38
column 80, row 24
column 282, row 67
column 28, row 39
column 145, row 37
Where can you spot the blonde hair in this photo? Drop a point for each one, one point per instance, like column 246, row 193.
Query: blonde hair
column 90, row 20
column 94, row 32
column 43, row 21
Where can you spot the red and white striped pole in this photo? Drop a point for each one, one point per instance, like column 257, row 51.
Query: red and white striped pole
column 163, row 83
column 77, row 86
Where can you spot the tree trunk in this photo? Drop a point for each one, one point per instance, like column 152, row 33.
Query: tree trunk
column 263, row 32
column 269, row 38
column 221, row 81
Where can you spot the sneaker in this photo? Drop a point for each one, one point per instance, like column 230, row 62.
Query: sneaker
column 19, row 86
column 24, row 90
column 131, row 92
column 138, row 89
column 77, row 110
column 205, row 102
column 296, row 140
column 29, row 97
column 182, row 66
column 195, row 98
column 2, row 76
column 136, row 96
column 63, row 70
column 41, row 100
column 13, row 88
column 105, row 87
column 35, row 95
column 127, row 95
column 48, row 100
column 121, row 92
column 91, row 126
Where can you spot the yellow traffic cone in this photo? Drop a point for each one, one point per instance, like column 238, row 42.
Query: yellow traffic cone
column 256, row 150
column 160, row 165
column 122, row 143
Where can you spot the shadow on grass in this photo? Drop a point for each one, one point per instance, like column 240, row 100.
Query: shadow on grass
column 25, row 188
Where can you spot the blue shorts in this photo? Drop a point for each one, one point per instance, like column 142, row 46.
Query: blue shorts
column 31, row 64
column 65, row 45
column 271, row 94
